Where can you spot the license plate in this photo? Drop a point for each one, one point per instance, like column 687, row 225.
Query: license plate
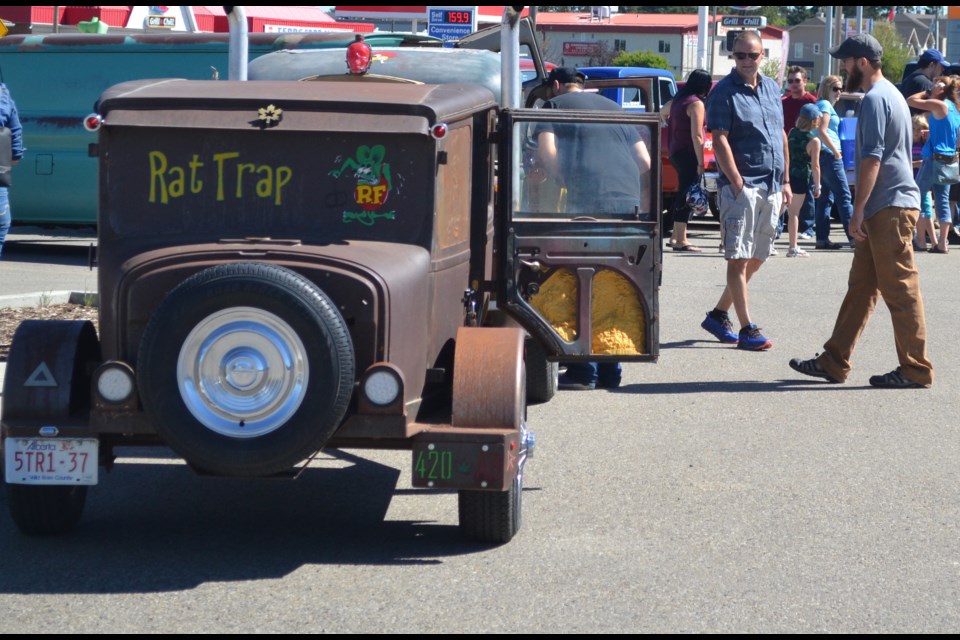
column 50, row 460
column 460, row 465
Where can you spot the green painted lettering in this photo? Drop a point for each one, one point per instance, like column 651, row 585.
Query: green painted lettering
column 265, row 184
column 243, row 166
column 220, row 158
column 178, row 182
column 158, row 167
column 284, row 175
column 196, row 185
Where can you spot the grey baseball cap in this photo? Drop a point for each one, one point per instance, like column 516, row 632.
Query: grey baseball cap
column 860, row 45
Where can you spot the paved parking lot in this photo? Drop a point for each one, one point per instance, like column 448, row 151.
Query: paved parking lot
column 715, row 491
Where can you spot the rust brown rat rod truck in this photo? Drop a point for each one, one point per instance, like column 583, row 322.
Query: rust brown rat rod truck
column 352, row 262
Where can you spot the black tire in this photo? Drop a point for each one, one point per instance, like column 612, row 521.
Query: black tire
column 542, row 375
column 491, row 517
column 71, row 351
column 289, row 362
column 46, row 510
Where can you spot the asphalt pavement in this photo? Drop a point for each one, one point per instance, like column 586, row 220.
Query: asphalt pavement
column 715, row 491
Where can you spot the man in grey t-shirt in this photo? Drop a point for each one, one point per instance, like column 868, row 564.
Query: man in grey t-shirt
column 885, row 212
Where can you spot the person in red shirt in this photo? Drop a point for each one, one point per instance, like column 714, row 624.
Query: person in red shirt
column 796, row 97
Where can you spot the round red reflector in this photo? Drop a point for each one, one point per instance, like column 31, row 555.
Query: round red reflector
column 439, row 130
column 92, row 122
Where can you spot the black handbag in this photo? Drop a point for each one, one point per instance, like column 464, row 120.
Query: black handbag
column 6, row 156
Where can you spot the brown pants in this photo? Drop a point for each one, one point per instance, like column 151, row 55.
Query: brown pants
column 884, row 265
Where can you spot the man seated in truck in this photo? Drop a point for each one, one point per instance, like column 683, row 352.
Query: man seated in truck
column 604, row 169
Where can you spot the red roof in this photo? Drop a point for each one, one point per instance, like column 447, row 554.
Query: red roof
column 260, row 17
column 113, row 15
column 402, row 12
column 209, row 18
column 630, row 23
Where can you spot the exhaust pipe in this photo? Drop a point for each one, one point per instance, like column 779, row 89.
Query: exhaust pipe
column 237, row 19
column 510, row 58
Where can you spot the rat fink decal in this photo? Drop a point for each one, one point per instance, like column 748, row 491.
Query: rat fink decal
column 374, row 184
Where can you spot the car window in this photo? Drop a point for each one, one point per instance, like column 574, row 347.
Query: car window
column 667, row 91
column 610, row 180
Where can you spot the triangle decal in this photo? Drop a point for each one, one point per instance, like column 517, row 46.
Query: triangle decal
column 41, row 377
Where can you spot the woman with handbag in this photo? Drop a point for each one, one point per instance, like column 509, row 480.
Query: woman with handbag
column 685, row 135
column 940, row 167
column 11, row 138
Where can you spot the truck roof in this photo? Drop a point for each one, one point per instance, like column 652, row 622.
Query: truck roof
column 435, row 103
column 624, row 72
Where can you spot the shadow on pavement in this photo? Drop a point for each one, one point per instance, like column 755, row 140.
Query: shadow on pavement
column 733, row 386
column 159, row 527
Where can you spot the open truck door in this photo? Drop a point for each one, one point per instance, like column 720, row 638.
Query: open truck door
column 578, row 266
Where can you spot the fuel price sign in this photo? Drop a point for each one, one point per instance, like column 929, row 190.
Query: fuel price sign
column 451, row 23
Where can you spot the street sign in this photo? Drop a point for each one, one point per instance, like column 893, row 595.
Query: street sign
column 451, row 23
column 161, row 22
column 752, row 22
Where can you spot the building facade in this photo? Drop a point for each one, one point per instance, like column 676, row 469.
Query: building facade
column 808, row 46
column 582, row 39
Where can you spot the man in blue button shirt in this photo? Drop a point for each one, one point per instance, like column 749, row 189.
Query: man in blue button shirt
column 745, row 115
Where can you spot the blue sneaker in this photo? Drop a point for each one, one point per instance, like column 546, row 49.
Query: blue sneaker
column 752, row 340
column 722, row 330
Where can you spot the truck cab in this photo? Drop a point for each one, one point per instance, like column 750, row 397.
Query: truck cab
column 289, row 266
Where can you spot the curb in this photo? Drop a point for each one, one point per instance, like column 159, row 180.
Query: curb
column 47, row 298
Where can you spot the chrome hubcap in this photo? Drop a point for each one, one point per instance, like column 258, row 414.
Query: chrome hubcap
column 242, row 372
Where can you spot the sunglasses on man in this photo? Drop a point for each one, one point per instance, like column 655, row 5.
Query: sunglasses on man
column 741, row 55
column 794, row 80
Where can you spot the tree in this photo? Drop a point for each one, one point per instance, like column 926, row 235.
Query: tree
column 771, row 68
column 641, row 59
column 895, row 52
column 605, row 58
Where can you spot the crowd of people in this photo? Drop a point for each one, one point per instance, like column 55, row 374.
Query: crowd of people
column 776, row 154
column 780, row 156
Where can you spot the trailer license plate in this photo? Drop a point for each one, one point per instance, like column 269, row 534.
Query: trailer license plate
column 50, row 460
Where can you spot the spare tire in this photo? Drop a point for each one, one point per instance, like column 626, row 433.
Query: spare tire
column 246, row 369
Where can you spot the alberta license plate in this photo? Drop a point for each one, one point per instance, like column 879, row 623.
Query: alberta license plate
column 50, row 460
